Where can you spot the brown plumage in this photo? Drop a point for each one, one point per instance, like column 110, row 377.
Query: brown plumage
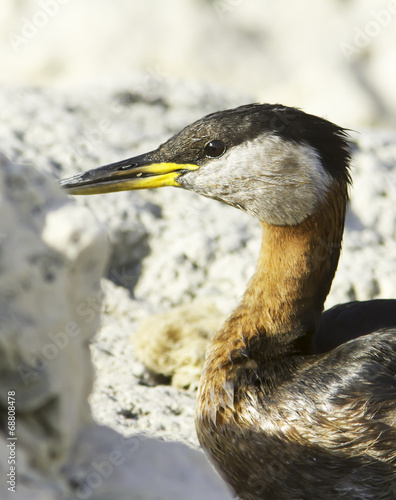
column 280, row 422
column 280, row 414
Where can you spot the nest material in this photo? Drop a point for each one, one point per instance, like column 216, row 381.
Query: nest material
column 174, row 344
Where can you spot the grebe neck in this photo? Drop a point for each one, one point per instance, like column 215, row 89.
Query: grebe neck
column 280, row 310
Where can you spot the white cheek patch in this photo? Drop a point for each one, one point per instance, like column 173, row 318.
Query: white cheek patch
column 276, row 181
column 274, row 161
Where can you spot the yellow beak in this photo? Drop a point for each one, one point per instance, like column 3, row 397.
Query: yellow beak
column 134, row 173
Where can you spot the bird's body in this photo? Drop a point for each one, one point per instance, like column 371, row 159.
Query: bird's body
column 280, row 414
column 286, row 424
column 351, row 320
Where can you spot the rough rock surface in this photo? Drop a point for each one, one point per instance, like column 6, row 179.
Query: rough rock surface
column 155, row 264
column 52, row 256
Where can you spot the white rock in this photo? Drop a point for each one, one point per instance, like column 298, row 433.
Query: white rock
column 141, row 468
column 52, row 255
column 50, row 270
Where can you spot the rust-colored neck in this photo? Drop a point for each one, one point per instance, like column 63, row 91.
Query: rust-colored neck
column 264, row 343
column 284, row 299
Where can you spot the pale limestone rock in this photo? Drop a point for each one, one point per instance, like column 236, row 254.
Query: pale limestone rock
column 140, row 468
column 52, row 255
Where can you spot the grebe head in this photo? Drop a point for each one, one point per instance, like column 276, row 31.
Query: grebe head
column 273, row 162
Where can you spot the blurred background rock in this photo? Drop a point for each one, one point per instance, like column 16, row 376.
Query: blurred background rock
column 335, row 58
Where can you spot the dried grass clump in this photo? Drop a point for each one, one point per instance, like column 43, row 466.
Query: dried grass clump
column 173, row 344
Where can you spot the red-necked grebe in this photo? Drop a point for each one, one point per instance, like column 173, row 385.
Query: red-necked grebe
column 292, row 403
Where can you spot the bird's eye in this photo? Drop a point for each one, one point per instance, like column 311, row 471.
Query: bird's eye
column 214, row 149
